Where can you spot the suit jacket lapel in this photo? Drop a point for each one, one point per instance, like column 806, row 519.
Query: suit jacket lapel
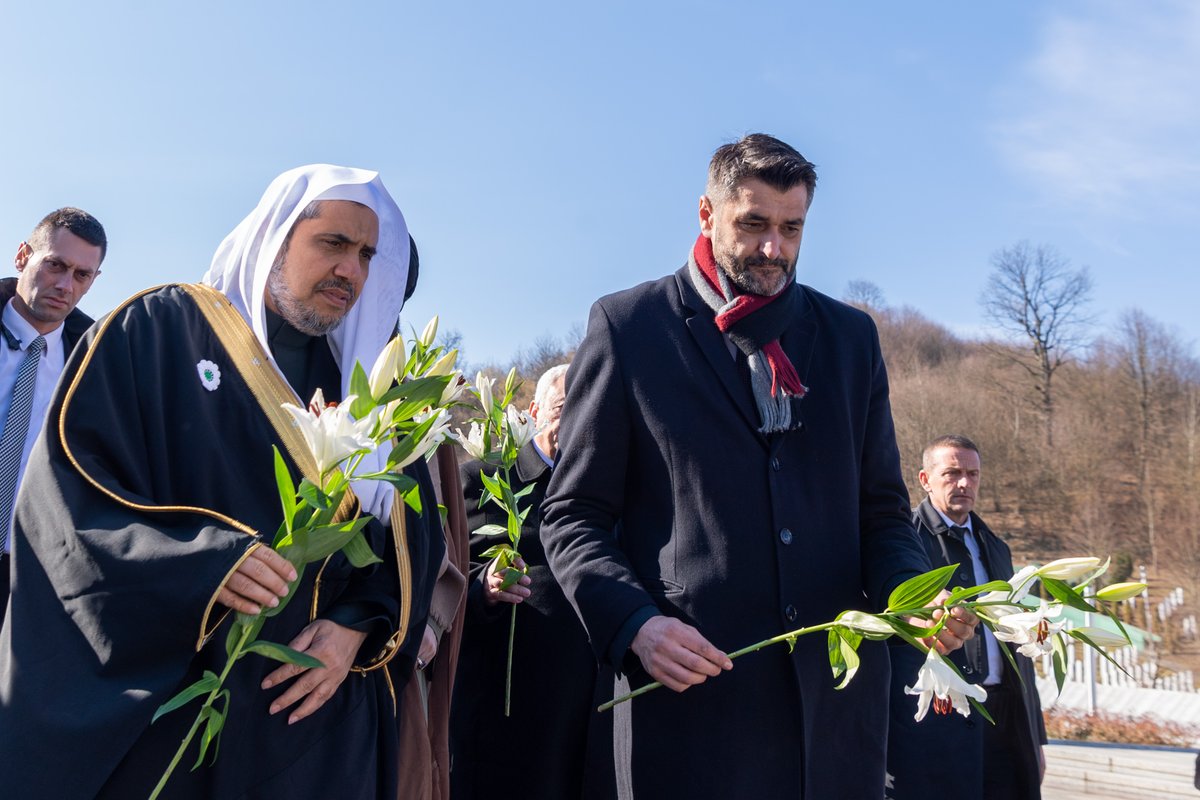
column 710, row 341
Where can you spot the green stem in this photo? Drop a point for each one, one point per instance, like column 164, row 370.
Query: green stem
column 783, row 637
column 212, row 696
column 512, row 629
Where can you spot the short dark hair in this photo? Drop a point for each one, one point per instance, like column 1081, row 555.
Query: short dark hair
column 761, row 156
column 955, row 440
column 75, row 220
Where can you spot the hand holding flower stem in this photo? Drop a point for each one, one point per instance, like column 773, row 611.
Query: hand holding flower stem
column 920, row 607
column 402, row 404
column 496, row 438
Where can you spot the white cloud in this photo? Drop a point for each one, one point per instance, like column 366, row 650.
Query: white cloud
column 1107, row 110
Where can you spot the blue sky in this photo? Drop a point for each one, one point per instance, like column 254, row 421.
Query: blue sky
column 545, row 154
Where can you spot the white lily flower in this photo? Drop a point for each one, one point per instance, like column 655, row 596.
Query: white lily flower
column 1066, row 569
column 430, row 332
column 432, row 438
column 1102, row 637
column 1031, row 630
column 454, row 388
column 332, row 434
column 939, row 684
column 387, row 366
column 472, row 441
column 1021, row 582
column 444, row 365
column 483, row 387
column 521, row 427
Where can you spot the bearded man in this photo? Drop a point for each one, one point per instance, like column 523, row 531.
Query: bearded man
column 728, row 472
column 151, row 501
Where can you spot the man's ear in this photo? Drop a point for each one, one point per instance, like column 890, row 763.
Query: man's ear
column 707, row 215
column 24, row 251
column 923, row 479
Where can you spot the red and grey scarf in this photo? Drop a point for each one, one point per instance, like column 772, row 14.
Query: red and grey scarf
column 754, row 323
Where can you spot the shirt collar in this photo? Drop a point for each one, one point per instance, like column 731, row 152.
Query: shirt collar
column 951, row 523
column 19, row 327
column 549, row 461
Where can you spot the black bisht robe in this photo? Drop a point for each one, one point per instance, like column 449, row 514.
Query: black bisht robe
column 150, row 484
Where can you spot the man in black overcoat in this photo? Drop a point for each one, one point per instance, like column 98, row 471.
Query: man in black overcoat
column 999, row 762
column 728, row 472
column 553, row 672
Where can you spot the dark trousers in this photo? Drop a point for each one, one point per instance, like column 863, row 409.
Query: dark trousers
column 1010, row 765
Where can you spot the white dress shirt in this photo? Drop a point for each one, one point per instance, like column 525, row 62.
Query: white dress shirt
column 995, row 665
column 49, row 368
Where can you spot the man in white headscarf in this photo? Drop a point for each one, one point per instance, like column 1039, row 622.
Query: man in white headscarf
column 155, row 493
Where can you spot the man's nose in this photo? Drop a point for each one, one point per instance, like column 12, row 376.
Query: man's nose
column 349, row 267
column 769, row 245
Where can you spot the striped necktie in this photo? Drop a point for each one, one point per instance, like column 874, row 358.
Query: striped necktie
column 16, row 426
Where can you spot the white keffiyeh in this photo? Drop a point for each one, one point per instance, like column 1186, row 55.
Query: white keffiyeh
column 242, row 264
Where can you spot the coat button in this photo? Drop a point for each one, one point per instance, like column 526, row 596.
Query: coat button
column 967, row 670
column 775, row 465
column 785, row 536
column 790, row 613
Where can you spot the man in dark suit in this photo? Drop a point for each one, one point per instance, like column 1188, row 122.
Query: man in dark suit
column 553, row 672
column 729, row 472
column 1002, row 761
column 56, row 266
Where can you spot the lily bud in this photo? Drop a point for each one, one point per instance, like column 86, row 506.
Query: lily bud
column 429, row 333
column 1120, row 591
column 387, row 366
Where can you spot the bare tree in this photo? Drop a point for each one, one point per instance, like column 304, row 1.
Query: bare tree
column 864, row 294
column 1034, row 294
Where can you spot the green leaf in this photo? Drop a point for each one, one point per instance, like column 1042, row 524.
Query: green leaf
column 1060, row 662
column 214, row 723
column 406, row 445
column 283, row 601
column 287, row 489
column 360, row 387
column 323, row 541
column 849, row 642
column 960, row 594
column 496, row 550
column 287, row 655
column 359, row 553
column 1083, row 637
column 415, row 395
column 510, row 575
column 837, row 661
column 916, row 592
column 402, row 482
column 491, row 529
column 208, row 681
column 1062, row 592
column 314, row 496
column 492, row 483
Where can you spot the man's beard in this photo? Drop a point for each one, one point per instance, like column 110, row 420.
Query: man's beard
column 300, row 316
column 738, row 270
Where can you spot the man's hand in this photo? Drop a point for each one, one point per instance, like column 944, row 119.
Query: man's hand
column 429, row 648
column 335, row 646
column 958, row 628
column 517, row 593
column 260, row 580
column 676, row 655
